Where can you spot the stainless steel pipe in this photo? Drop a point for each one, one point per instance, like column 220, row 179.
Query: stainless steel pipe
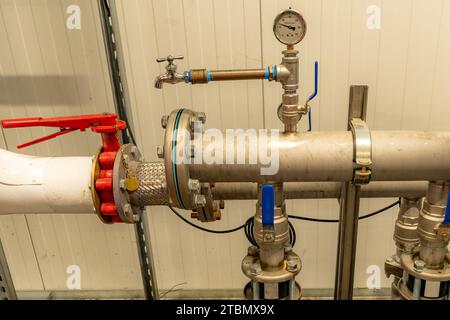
column 328, row 156
column 322, row 190
column 152, row 189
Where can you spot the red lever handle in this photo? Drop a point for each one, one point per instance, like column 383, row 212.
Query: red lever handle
column 101, row 123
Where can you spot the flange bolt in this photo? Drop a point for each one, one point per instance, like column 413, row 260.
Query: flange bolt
column 419, row 265
column 160, row 152
column 194, row 185
column 164, row 120
column 291, row 265
column 253, row 251
column 255, row 269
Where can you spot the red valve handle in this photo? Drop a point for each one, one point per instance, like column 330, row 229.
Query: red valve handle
column 101, row 123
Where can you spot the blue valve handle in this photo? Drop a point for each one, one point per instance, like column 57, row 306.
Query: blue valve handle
column 447, row 210
column 314, row 94
column 316, row 82
column 268, row 204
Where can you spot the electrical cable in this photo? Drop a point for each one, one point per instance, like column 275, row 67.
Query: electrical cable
column 360, row 218
column 249, row 223
column 204, row 229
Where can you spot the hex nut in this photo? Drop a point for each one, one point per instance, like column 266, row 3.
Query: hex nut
column 288, row 249
column 194, row 185
column 127, row 208
column 253, row 251
column 134, row 151
column 419, row 265
column 201, row 116
column 122, row 184
column 164, row 120
column 291, row 265
column 255, row 269
column 200, row 200
column 160, row 152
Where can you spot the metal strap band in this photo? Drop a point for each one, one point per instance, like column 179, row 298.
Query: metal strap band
column 362, row 155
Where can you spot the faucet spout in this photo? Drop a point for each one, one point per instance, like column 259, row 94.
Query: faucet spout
column 171, row 76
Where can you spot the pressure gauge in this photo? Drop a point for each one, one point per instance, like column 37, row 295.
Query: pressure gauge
column 289, row 27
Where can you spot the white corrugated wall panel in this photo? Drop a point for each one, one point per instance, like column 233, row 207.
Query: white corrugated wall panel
column 406, row 64
column 48, row 70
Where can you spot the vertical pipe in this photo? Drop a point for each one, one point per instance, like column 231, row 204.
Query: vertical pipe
column 292, row 289
column 417, row 288
column 255, row 289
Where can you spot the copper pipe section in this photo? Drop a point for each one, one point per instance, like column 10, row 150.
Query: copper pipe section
column 198, row 76
column 201, row 75
column 222, row 75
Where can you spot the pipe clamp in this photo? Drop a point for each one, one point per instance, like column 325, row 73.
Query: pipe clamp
column 362, row 152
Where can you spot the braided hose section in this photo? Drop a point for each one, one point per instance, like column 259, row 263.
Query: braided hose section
column 152, row 189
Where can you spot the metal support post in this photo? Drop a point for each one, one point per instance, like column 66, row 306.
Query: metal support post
column 7, row 291
column 349, row 210
column 142, row 231
column 121, row 99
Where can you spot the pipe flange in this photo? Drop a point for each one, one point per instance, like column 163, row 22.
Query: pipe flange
column 95, row 173
column 177, row 140
column 439, row 275
column 128, row 155
column 184, row 192
column 282, row 274
column 362, row 151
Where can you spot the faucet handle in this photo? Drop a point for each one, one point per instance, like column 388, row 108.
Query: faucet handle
column 170, row 58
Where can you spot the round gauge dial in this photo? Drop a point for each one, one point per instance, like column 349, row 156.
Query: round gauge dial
column 289, row 27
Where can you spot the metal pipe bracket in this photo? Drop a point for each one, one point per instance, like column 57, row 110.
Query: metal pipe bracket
column 362, row 154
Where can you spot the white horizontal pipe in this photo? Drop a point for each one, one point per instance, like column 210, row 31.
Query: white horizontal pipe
column 44, row 184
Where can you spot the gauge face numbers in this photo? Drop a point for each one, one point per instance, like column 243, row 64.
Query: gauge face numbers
column 289, row 27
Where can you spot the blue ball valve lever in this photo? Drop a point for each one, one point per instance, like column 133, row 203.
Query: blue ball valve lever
column 268, row 205
column 314, row 94
column 447, row 211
